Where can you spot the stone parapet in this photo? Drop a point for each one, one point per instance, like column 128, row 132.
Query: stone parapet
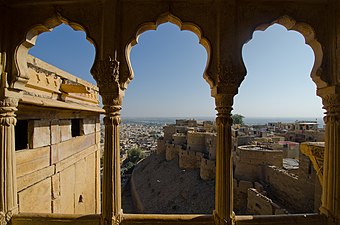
column 48, row 82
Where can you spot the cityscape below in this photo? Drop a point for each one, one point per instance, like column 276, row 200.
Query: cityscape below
column 168, row 165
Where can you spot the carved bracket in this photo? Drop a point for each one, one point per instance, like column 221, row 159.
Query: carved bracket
column 106, row 73
column 230, row 76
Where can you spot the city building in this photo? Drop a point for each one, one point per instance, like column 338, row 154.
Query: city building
column 194, row 144
column 271, row 175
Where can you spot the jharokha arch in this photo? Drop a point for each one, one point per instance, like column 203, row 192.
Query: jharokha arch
column 223, row 26
column 164, row 18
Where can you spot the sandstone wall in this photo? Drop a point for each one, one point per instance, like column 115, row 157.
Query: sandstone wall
column 244, row 140
column 168, row 132
column 189, row 159
column 196, row 141
column 240, row 189
column 259, row 204
column 207, row 169
column 250, row 163
column 160, row 146
column 210, row 143
column 298, row 194
column 170, row 151
column 60, row 173
column 179, row 139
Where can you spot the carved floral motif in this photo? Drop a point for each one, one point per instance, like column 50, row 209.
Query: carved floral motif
column 7, row 110
column 106, row 73
column 117, row 219
column 331, row 103
column 230, row 75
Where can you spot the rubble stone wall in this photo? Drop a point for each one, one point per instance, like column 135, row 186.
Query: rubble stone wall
column 296, row 193
column 240, row 189
column 259, row 204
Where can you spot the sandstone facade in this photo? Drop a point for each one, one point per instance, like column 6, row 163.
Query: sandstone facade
column 57, row 156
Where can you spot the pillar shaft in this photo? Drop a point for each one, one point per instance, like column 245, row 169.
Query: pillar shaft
column 224, row 192
column 111, row 202
column 331, row 171
column 106, row 73
column 8, row 187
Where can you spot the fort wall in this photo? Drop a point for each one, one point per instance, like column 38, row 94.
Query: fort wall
column 259, row 204
column 179, row 139
column 207, row 169
column 189, row 159
column 250, row 161
column 137, row 202
column 196, row 141
column 171, row 151
column 160, row 146
column 295, row 192
column 240, row 189
column 210, row 143
column 169, row 130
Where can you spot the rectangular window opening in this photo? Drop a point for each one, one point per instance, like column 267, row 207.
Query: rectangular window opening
column 76, row 127
column 21, row 135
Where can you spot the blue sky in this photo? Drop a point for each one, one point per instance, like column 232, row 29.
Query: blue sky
column 169, row 64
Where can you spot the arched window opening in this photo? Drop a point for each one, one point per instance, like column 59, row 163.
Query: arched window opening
column 281, row 111
column 58, row 132
column 163, row 116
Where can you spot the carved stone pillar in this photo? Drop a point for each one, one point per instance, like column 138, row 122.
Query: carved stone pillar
column 229, row 78
column 8, row 188
column 106, row 72
column 331, row 171
column 224, row 194
column 111, row 202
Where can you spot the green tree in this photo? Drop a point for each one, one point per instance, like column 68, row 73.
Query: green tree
column 135, row 154
column 237, row 119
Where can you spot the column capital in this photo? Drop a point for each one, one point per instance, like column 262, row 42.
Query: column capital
column 229, row 77
column 331, row 102
column 112, row 106
column 8, row 107
column 224, row 104
column 106, row 72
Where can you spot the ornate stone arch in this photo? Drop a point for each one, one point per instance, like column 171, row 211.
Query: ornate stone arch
column 168, row 17
column 310, row 39
column 19, row 78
